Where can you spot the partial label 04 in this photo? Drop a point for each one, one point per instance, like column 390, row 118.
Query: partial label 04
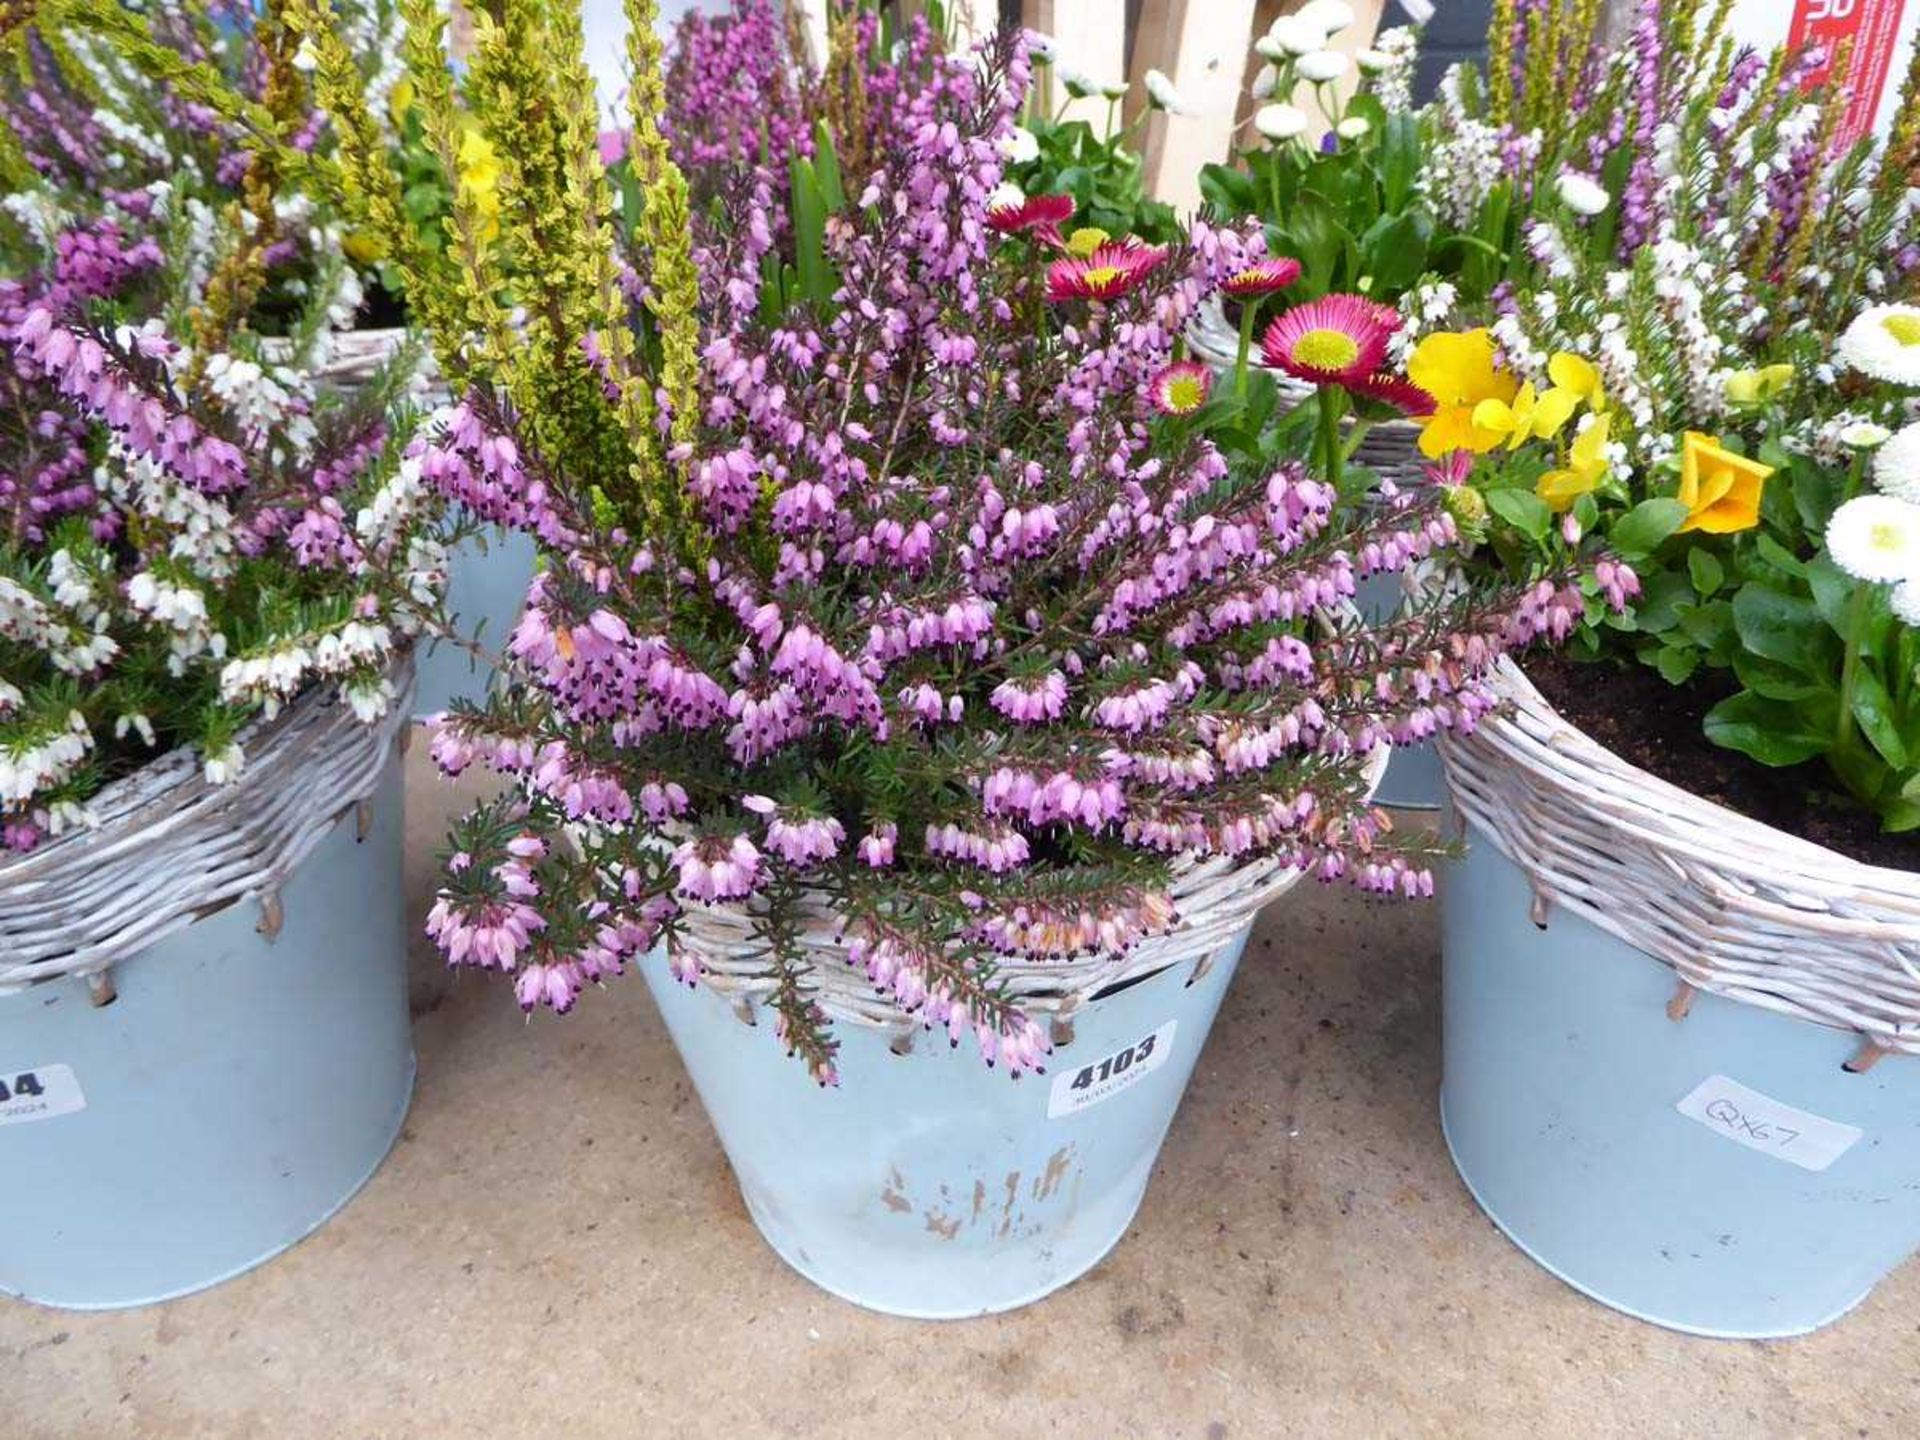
column 1770, row 1126
column 1087, row 1085
column 38, row 1094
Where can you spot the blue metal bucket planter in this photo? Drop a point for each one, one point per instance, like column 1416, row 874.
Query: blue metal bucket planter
column 487, row 580
column 929, row 1186
column 1682, row 1064
column 1647, row 1161
column 234, row 1094
column 1414, row 779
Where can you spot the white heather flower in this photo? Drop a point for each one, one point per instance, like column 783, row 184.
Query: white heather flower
column 1018, row 146
column 1354, row 127
column 224, row 766
column 10, row 697
column 1162, row 95
column 1876, row 538
column 1322, row 65
column 135, row 724
column 1006, row 196
column 1865, row 435
column 1884, row 342
column 1896, row 468
column 369, row 698
column 1280, row 122
column 1332, row 16
column 1294, row 36
column 1906, row 602
column 1581, row 194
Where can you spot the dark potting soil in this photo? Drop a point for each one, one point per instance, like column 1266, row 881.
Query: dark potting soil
column 1657, row 726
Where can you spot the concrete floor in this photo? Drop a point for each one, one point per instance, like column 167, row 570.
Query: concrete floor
column 556, row 1248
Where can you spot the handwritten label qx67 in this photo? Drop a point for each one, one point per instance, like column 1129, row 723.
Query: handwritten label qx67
column 1770, row 1126
column 1082, row 1087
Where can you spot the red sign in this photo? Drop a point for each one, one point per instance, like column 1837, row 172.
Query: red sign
column 1873, row 28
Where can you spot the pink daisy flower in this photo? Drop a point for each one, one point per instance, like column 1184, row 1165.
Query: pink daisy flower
column 1336, row 340
column 1405, row 396
column 1042, row 213
column 1181, row 388
column 1108, row 273
column 1263, row 278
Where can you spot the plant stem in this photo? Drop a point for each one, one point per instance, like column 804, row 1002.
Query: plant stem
column 1249, row 311
column 1330, row 445
column 1856, row 472
column 1857, row 612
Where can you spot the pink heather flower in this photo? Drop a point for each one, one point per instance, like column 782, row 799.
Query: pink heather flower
column 1031, row 701
column 803, row 840
column 1137, row 708
column 1111, row 271
column 662, row 800
column 491, row 934
column 1264, row 277
column 717, row 868
column 1043, row 214
column 999, row 847
column 1336, row 340
column 1181, row 388
column 555, row 984
column 876, row 846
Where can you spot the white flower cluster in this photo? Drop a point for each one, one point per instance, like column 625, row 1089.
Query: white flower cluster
column 1428, row 307
column 1465, row 160
column 72, row 646
column 32, row 763
column 356, row 651
column 1391, row 63
column 182, row 610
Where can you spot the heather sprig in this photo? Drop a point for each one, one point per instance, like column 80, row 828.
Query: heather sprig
column 932, row 621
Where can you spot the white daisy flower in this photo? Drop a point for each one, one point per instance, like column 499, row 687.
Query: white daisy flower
column 1581, row 194
column 1876, row 538
column 1297, row 37
column 1018, row 146
column 1280, row 122
column 1354, row 127
column 1896, row 468
column 1884, row 343
column 1864, row 435
column 1332, row 16
column 1906, row 602
column 1374, row 62
column 1266, row 82
column 1162, row 95
column 1322, row 65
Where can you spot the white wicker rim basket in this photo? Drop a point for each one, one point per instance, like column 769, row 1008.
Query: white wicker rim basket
column 1391, row 449
column 1216, row 898
column 167, row 848
column 1734, row 906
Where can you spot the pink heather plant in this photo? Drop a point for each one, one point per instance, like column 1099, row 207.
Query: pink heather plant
column 934, row 616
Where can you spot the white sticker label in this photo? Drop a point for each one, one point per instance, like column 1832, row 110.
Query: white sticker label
column 1770, row 1126
column 38, row 1094
column 1085, row 1086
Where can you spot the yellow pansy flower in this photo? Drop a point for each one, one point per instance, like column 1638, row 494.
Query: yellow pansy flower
column 1085, row 240
column 1582, row 377
column 400, row 102
column 1458, row 370
column 1720, row 489
column 1530, row 415
column 480, row 181
column 1586, row 467
column 1758, row 387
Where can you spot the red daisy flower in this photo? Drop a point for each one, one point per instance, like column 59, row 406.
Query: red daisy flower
column 1337, row 340
column 1403, row 395
column 1108, row 273
column 1042, row 213
column 1263, row 278
column 1181, row 388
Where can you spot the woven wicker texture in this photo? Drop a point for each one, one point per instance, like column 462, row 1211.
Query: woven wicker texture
column 1736, row 907
column 168, row 848
column 1216, row 900
column 1391, row 449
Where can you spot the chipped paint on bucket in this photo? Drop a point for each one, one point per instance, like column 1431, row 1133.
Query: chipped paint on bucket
column 236, row 1092
column 927, row 1185
column 487, row 578
column 1721, row 1174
